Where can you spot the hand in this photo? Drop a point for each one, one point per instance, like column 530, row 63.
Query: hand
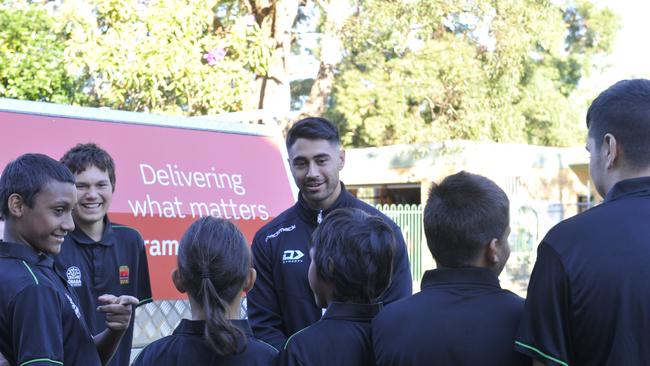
column 117, row 310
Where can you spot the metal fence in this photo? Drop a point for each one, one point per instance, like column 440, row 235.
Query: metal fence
column 409, row 219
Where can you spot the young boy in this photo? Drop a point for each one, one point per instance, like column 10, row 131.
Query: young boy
column 40, row 320
column 351, row 266
column 99, row 256
column 461, row 316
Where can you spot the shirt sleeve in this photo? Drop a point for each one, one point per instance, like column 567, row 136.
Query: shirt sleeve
column 144, row 282
column 263, row 307
column 401, row 284
column 37, row 327
column 544, row 328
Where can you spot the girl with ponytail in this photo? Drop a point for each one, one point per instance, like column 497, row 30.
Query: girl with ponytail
column 214, row 268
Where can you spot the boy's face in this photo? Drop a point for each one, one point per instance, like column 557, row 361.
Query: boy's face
column 94, row 194
column 44, row 226
column 318, row 286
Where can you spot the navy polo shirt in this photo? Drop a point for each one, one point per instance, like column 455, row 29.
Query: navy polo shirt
column 341, row 337
column 461, row 317
column 589, row 294
column 186, row 346
column 40, row 320
column 115, row 265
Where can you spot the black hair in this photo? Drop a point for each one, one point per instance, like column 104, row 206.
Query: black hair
column 83, row 156
column 313, row 128
column 462, row 215
column 27, row 175
column 213, row 264
column 623, row 110
column 354, row 252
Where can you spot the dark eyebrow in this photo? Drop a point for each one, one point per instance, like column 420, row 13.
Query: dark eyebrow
column 65, row 203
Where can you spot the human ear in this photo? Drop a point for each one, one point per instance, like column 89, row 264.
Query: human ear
column 178, row 281
column 492, row 252
column 16, row 205
column 611, row 149
column 341, row 159
column 250, row 280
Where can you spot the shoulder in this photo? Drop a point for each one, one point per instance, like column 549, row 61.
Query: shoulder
column 261, row 348
column 17, row 275
column 304, row 336
column 354, row 202
column 154, row 349
column 125, row 232
column 285, row 222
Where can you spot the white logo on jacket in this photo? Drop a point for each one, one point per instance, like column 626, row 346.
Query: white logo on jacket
column 74, row 276
column 292, row 256
column 280, row 231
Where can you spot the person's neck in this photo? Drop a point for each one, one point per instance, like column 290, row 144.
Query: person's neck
column 10, row 235
column 233, row 312
column 94, row 230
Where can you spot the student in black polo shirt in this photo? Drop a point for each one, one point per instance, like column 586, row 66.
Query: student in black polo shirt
column 589, row 294
column 461, row 316
column 41, row 323
column 351, row 266
column 214, row 269
column 100, row 256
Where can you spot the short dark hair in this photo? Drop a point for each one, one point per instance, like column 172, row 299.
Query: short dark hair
column 623, row 110
column 462, row 215
column 313, row 128
column 27, row 175
column 83, row 156
column 354, row 252
column 213, row 263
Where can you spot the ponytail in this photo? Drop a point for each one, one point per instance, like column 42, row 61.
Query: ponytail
column 213, row 263
column 223, row 337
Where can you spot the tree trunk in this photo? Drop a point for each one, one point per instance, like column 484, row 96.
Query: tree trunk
column 276, row 18
column 336, row 13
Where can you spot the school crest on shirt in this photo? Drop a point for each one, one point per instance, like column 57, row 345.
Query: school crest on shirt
column 74, row 307
column 124, row 275
column 74, row 276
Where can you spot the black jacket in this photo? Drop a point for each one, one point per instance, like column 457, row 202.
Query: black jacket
column 281, row 302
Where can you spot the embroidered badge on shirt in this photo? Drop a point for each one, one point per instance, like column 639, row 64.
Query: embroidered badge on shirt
column 124, row 275
column 292, row 256
column 74, row 276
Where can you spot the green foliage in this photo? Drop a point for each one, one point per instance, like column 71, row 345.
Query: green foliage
column 501, row 70
column 31, row 56
column 165, row 56
column 411, row 71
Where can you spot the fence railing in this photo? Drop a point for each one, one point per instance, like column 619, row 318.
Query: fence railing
column 409, row 219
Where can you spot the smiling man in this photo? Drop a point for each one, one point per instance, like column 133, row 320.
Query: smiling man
column 99, row 256
column 282, row 303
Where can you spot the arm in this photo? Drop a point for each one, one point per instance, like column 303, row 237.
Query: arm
column 118, row 316
column 401, row 284
column 264, row 311
column 144, row 282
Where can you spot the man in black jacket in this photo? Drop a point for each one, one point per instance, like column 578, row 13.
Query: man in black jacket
column 282, row 303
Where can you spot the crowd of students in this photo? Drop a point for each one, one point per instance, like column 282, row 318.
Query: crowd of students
column 349, row 302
